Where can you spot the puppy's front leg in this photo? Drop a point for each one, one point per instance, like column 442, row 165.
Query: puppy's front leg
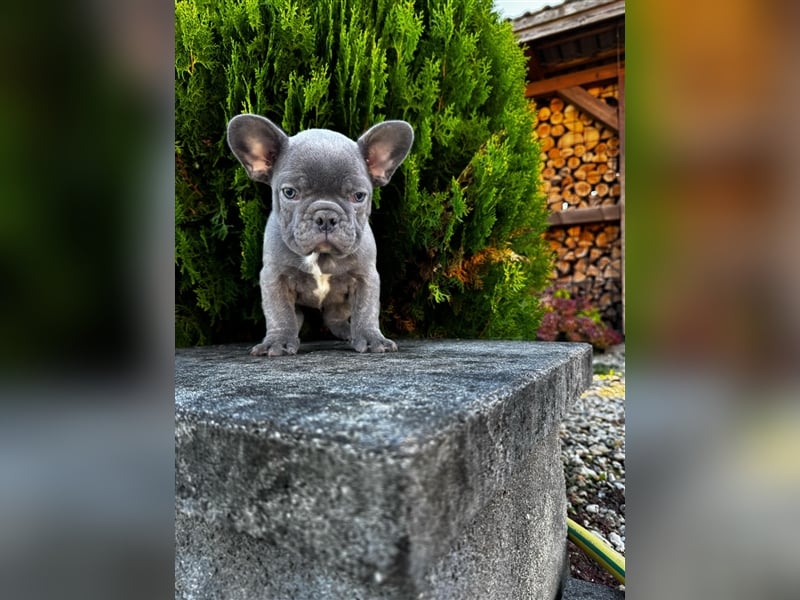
column 283, row 324
column 365, row 330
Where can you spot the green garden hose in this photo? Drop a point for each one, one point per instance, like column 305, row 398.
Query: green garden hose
column 608, row 558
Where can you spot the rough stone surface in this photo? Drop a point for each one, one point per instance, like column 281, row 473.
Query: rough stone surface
column 430, row 473
column 583, row 590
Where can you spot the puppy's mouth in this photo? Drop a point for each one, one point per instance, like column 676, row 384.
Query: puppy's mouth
column 324, row 248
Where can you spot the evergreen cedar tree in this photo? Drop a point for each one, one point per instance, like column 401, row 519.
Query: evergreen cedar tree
column 459, row 228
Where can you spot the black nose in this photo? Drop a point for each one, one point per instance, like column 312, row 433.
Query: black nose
column 326, row 221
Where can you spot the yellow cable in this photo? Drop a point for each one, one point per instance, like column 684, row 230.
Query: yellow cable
column 608, row 558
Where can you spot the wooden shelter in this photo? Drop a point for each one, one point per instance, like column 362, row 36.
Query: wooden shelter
column 576, row 74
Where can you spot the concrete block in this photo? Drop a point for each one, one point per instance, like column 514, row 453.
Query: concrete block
column 584, row 590
column 434, row 472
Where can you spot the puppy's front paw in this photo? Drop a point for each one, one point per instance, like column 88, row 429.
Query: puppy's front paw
column 276, row 346
column 373, row 342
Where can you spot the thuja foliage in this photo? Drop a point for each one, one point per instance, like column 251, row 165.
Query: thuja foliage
column 459, row 226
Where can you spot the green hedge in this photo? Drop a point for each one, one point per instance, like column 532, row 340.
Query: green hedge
column 459, row 228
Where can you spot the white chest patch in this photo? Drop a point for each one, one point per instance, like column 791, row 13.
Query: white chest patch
column 322, row 279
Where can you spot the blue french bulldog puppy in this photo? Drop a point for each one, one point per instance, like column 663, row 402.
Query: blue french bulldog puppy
column 319, row 250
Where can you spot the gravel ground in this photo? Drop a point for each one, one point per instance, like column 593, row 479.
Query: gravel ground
column 593, row 451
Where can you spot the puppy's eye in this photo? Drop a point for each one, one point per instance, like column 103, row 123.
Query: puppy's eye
column 289, row 193
column 358, row 197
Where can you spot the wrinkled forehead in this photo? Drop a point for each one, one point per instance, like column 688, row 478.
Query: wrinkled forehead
column 323, row 156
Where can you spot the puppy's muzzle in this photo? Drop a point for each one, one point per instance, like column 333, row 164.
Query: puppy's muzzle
column 326, row 220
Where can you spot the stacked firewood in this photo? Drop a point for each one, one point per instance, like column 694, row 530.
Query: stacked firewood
column 588, row 261
column 580, row 155
column 581, row 159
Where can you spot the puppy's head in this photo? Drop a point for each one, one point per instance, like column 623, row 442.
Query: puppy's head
column 321, row 181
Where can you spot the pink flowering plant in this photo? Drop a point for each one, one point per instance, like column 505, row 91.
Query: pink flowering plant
column 574, row 320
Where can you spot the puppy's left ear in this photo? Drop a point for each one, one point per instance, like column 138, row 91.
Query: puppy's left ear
column 384, row 146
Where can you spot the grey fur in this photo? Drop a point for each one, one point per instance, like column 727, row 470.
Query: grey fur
column 319, row 250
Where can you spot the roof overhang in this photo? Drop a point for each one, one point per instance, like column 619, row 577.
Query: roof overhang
column 565, row 17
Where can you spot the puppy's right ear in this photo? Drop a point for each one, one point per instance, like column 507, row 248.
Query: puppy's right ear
column 257, row 142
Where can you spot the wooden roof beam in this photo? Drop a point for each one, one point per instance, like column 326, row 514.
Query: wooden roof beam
column 560, row 82
column 593, row 106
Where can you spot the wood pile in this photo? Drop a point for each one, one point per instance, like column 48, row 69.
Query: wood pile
column 588, row 261
column 580, row 156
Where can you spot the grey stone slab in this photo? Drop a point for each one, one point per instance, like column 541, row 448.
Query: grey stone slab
column 348, row 475
column 512, row 550
column 585, row 590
